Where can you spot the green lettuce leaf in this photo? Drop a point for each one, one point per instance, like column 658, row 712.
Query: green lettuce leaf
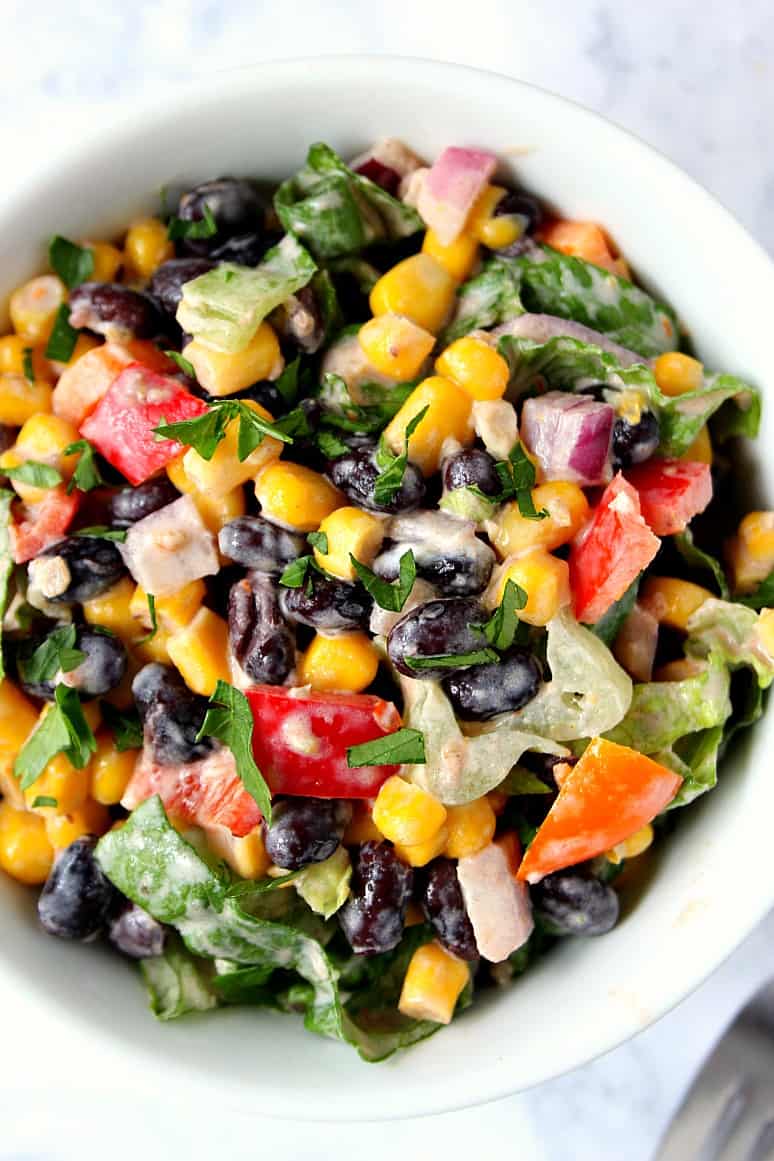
column 178, row 982
column 558, row 284
column 487, row 300
column 697, row 558
column 588, row 694
column 731, row 632
column 695, row 759
column 337, row 212
column 661, row 712
column 325, row 886
column 225, row 306
column 459, row 767
column 570, row 365
column 259, row 927
column 469, row 503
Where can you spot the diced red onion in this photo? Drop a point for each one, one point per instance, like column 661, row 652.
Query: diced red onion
column 543, row 327
column 570, row 437
column 451, row 187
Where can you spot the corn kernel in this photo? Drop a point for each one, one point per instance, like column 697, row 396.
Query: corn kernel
column 765, row 629
column 25, row 851
column 419, row 288
column 567, row 508
column 458, row 257
column 224, row 373
column 112, row 609
column 420, row 854
column 156, row 648
column 677, row 374
column 348, row 663
column 350, row 531
column 246, row 855
column 19, row 399
column 225, row 471
column 295, row 496
column 111, row 770
column 395, row 346
column 200, row 652
column 406, row 813
column 60, row 780
column 91, row 818
column 13, row 349
column 635, row 844
column 17, row 718
column 34, row 305
column 483, row 224
column 700, row 450
column 433, row 983
column 173, row 612
column 671, row 601
column 146, row 246
column 42, row 438
column 471, row 828
column 475, row 367
column 108, row 260
column 361, row 828
column 545, row 579
column 447, row 417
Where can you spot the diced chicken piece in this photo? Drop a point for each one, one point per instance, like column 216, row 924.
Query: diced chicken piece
column 497, row 904
column 411, row 186
column 496, row 425
column 347, row 360
column 635, row 645
column 170, row 548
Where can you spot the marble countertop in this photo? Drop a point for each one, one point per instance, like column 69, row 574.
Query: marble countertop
column 694, row 79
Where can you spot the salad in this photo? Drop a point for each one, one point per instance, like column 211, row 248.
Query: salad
column 374, row 589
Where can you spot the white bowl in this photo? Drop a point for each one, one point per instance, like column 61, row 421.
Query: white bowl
column 713, row 882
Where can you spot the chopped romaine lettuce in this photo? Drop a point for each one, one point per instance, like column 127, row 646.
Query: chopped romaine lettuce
column 661, row 712
column 325, row 886
column 178, row 982
column 246, row 926
column 459, row 767
column 225, row 306
column 697, row 558
column 732, row 633
column 589, row 693
column 569, row 287
column 571, row 365
column 336, row 211
column 491, row 298
column 695, row 759
column 469, row 503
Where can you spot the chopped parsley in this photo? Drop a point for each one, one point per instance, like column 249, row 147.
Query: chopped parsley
column 203, row 227
column 125, row 726
column 405, row 745
column 393, row 468
column 63, row 730
column 86, row 475
column 57, row 653
column 74, row 264
column 229, row 718
column 63, row 337
column 206, row 431
column 34, row 473
column 390, row 596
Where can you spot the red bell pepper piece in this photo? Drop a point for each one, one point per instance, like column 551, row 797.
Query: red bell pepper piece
column 300, row 742
column 122, row 425
column 614, row 548
column 43, row 524
column 671, row 492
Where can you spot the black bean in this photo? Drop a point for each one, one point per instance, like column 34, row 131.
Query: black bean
column 261, row 642
column 440, row 896
column 102, row 669
column 115, row 311
column 483, row 691
column 633, row 443
column 331, row 605
column 243, row 249
column 571, row 903
column 305, row 830
column 132, row 504
column 255, row 543
column 516, row 203
column 168, row 280
column 136, row 933
column 235, row 205
column 81, row 567
column 456, row 576
column 437, row 628
column 77, row 898
column 356, row 474
column 171, row 715
column 372, row 919
column 471, row 467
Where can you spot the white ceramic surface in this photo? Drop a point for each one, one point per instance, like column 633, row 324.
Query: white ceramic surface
column 585, row 998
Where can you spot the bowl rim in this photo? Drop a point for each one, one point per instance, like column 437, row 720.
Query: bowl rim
column 491, row 1082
